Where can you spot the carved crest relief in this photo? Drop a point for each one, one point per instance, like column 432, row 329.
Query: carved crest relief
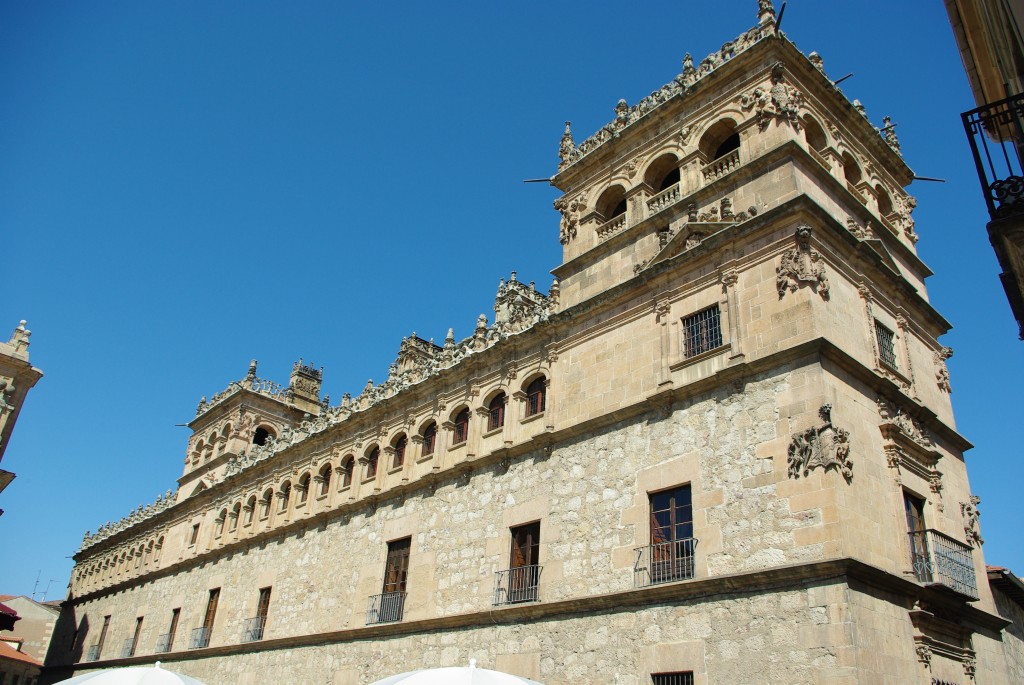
column 826, row 446
column 802, row 265
column 780, row 101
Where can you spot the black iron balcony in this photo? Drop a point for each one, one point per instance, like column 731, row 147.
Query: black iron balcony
column 94, row 653
column 996, row 134
column 200, row 638
column 517, row 585
column 163, row 643
column 385, row 608
column 664, row 562
column 128, row 648
column 252, row 629
column 938, row 559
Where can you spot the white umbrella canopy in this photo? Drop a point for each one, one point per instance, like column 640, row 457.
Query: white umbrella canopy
column 132, row 675
column 456, row 675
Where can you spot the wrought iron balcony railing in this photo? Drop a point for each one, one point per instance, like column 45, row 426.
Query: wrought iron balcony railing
column 128, row 648
column 94, row 653
column 252, row 629
column 200, row 638
column 664, row 562
column 996, row 134
column 938, row 559
column 385, row 608
column 163, row 643
column 517, row 585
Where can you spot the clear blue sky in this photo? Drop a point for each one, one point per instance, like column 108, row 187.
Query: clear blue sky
column 185, row 186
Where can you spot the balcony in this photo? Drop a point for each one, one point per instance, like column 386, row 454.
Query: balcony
column 163, row 644
column 612, row 226
column 385, row 608
column 94, row 653
column 517, row 585
column 252, row 629
column 128, row 648
column 664, row 562
column 996, row 134
column 665, row 198
column 938, row 559
column 718, row 168
column 200, row 638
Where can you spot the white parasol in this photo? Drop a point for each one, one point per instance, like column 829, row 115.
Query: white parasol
column 133, row 675
column 456, row 675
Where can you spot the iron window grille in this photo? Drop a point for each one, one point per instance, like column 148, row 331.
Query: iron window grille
column 163, row 644
column 387, row 607
column 995, row 132
column 536, row 397
column 938, row 559
column 461, row 431
column 200, row 638
column 252, row 629
column 681, row 678
column 94, row 653
column 516, row 585
column 702, row 331
column 128, row 648
column 886, row 345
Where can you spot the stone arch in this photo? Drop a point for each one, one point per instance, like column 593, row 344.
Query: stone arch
column 663, row 172
column 719, row 139
column 612, row 202
column 851, row 169
column 814, row 133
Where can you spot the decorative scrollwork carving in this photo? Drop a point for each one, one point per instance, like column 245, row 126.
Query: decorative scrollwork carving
column 826, row 446
column 802, row 264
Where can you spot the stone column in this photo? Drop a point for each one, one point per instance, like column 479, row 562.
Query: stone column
column 662, row 312
column 730, row 301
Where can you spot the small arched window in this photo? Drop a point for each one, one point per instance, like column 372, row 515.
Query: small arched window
column 399, row 447
column 884, row 201
column 285, row 496
column 720, row 139
column 325, row 479
column 347, row 465
column 303, row 487
column 851, row 170
column 261, row 435
column 496, row 412
column 814, row 135
column 265, row 502
column 233, row 517
column 371, row 462
column 536, row 397
column 429, row 437
column 461, row 432
column 612, row 202
column 250, row 510
column 219, row 524
column 663, row 173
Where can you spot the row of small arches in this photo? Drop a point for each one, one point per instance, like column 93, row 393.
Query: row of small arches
column 128, row 560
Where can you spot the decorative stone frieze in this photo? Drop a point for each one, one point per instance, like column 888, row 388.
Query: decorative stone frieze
column 826, row 446
column 142, row 513
column 861, row 232
column 802, row 265
column 570, row 211
column 781, row 101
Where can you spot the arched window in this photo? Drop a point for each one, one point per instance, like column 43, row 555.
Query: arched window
column 719, row 140
column 219, row 523
column 884, row 201
column 265, row 502
column 536, row 396
column 347, row 465
column 851, row 171
column 461, row 432
column 429, row 437
column 496, row 412
column 303, row 488
column 233, row 518
column 663, row 173
column 325, row 479
column 612, row 203
column 372, row 457
column 814, row 135
column 250, row 510
column 285, row 496
column 261, row 435
column 399, row 446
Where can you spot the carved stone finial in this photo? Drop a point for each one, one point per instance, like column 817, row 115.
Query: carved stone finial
column 252, row 370
column 765, row 12
column 19, row 339
column 566, row 149
column 889, row 133
column 817, row 61
column 621, row 113
column 802, row 265
column 449, row 339
column 860, row 108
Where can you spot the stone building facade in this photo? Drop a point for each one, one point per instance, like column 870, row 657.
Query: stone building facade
column 718, row 449
column 17, row 377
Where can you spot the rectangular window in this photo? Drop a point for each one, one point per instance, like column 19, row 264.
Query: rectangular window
column 103, row 636
column 913, row 507
column 523, row 577
column 134, row 642
column 195, row 535
column 175, row 615
column 211, row 609
column 886, row 345
column 702, row 332
column 254, row 626
column 670, row 555
column 397, row 571
column 680, row 678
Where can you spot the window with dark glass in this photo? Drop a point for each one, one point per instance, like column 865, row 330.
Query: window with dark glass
column 536, row 397
column 496, row 412
column 429, row 436
column 260, row 436
column 702, row 332
column 325, row 479
column 524, row 568
column 371, row 462
column 913, row 508
column 346, row 471
column 399, row 446
column 672, row 544
column 461, row 432
column 396, row 572
column 886, row 345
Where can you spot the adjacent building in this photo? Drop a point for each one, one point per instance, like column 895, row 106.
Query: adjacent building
column 719, row 448
column 17, row 376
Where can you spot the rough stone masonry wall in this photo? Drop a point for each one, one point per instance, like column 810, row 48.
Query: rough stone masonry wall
column 590, row 495
column 797, row 636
